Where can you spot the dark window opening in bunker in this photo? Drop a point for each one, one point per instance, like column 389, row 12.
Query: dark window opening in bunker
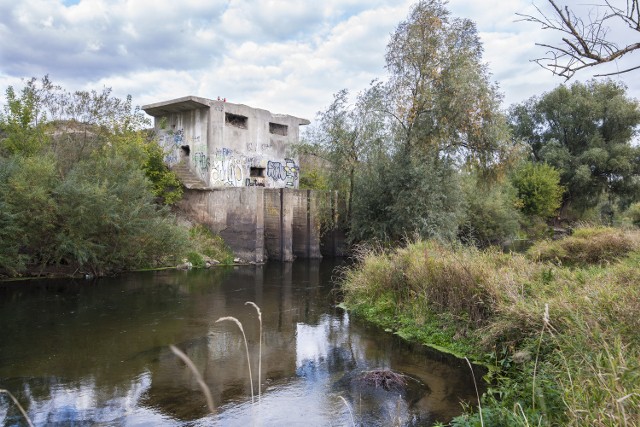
column 185, row 150
column 236, row 120
column 256, row 172
column 278, row 129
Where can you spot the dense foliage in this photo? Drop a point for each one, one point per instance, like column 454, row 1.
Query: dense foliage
column 400, row 152
column 538, row 188
column 585, row 131
column 78, row 185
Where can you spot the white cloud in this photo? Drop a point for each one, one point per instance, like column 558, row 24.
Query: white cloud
column 287, row 56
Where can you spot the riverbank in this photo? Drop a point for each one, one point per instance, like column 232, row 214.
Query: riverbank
column 557, row 326
column 195, row 247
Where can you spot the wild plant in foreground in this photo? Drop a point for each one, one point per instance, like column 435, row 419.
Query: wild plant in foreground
column 237, row 322
column 353, row 422
column 203, row 386
column 473, row 375
column 196, row 373
column 259, row 348
column 15, row 401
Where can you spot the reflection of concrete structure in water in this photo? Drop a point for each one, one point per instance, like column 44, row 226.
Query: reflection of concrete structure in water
column 241, row 175
column 99, row 354
column 305, row 354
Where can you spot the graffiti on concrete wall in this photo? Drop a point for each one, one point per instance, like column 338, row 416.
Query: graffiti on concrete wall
column 171, row 158
column 178, row 137
column 227, row 168
column 254, row 182
column 202, row 162
column 230, row 168
column 172, row 142
column 287, row 172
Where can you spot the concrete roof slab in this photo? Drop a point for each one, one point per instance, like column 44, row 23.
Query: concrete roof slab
column 178, row 105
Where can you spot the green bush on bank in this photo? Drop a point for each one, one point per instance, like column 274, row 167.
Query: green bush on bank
column 203, row 242
column 83, row 188
column 562, row 344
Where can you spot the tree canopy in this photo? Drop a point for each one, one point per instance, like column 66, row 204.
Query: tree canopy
column 407, row 141
column 585, row 131
column 79, row 181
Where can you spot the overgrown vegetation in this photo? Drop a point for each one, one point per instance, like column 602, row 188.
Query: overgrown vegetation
column 401, row 153
column 428, row 153
column 420, row 152
column 585, row 131
column 83, row 188
column 561, row 343
column 204, row 243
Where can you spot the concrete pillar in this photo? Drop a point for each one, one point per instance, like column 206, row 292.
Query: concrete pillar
column 277, row 221
column 305, row 225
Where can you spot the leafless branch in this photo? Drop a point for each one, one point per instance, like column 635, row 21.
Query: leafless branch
column 585, row 42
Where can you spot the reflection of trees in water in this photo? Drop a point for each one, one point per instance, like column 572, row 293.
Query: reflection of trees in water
column 106, row 344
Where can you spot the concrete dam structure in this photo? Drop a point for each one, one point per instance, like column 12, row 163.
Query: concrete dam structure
column 241, row 176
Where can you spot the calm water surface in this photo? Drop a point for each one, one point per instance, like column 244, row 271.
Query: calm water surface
column 96, row 353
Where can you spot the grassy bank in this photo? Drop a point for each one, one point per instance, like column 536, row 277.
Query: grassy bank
column 559, row 327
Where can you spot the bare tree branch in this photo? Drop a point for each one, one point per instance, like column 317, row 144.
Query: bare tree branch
column 586, row 42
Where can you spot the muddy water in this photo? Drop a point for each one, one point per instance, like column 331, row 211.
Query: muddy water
column 96, row 353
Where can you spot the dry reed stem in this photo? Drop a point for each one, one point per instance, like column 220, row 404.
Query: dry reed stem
column 260, row 349
column 15, row 401
column 353, row 422
column 524, row 417
column 196, row 373
column 545, row 322
column 473, row 376
column 246, row 346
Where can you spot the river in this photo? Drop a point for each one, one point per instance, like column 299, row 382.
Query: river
column 78, row 352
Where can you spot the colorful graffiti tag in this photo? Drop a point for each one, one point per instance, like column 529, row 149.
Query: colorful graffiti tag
column 287, row 172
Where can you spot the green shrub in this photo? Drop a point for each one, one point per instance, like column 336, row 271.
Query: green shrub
column 164, row 183
column 313, row 179
column 491, row 216
column 205, row 242
column 195, row 259
column 633, row 214
column 538, row 188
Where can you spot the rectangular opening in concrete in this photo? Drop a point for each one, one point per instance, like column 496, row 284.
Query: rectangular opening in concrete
column 257, row 172
column 236, row 120
column 278, row 129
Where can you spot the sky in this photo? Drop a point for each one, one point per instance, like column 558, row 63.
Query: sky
column 286, row 56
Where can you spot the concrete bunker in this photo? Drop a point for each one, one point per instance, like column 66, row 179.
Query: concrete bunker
column 240, row 175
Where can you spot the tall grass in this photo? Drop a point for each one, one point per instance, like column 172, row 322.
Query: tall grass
column 246, row 347
column 572, row 306
column 203, row 386
column 192, row 367
column 254, row 305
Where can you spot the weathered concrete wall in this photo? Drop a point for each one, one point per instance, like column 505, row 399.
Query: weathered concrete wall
column 278, row 215
column 305, row 225
column 184, row 135
column 236, row 214
column 333, row 241
column 258, row 223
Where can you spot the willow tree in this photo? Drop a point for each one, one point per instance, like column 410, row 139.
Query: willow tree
column 440, row 91
column 445, row 118
column 400, row 150
column 346, row 136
